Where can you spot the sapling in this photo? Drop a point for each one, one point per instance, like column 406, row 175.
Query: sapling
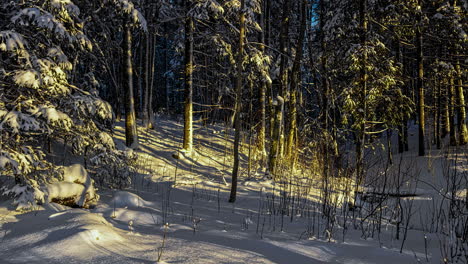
column 163, row 244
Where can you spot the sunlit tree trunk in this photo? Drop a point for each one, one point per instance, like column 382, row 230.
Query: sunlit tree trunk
column 262, row 94
column 131, row 135
column 451, row 114
column 237, row 124
column 420, row 84
column 188, row 104
column 446, row 119
column 461, row 113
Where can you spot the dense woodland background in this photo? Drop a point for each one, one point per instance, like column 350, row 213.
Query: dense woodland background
column 301, row 80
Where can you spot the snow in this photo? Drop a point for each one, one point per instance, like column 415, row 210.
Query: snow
column 127, row 226
column 27, row 78
column 76, row 184
column 75, row 173
column 123, row 199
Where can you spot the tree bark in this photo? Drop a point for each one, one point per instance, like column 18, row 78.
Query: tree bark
column 237, row 124
column 131, row 134
column 420, row 84
column 451, row 114
column 461, row 111
column 146, row 80
column 361, row 134
column 276, row 149
column 295, row 81
column 262, row 95
column 188, row 85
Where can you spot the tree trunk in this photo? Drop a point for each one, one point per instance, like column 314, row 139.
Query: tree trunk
column 401, row 128
column 361, row 134
column 438, row 115
column 278, row 104
column 461, row 113
column 420, row 84
column 451, row 114
column 295, row 81
column 131, row 134
column 188, row 104
column 240, row 56
column 146, row 80
column 262, row 97
column 277, row 141
column 323, row 72
column 149, row 109
column 446, row 120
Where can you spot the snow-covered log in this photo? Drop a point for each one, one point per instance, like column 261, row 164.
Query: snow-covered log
column 76, row 189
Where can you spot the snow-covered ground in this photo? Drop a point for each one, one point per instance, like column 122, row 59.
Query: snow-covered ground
column 185, row 201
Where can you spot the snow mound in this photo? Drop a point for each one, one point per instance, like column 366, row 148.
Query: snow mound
column 74, row 235
column 76, row 189
column 75, row 173
column 126, row 199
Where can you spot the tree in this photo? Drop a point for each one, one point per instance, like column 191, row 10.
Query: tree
column 48, row 93
column 131, row 133
column 237, row 125
column 276, row 149
column 188, row 83
column 420, row 80
column 295, row 82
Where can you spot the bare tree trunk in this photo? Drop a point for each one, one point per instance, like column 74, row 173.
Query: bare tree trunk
column 361, row 135
column 166, row 84
column 461, row 113
column 446, row 120
column 188, row 104
column 323, row 72
column 295, row 81
column 401, row 128
column 131, row 134
column 149, row 109
column 146, row 80
column 138, row 82
column 420, row 84
column 262, row 97
column 276, row 151
column 240, row 56
column 438, row 115
column 278, row 104
column 451, row 95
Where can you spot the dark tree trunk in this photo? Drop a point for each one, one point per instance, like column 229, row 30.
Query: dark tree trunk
column 276, row 149
column 295, row 81
column 361, row 134
column 146, row 78
column 240, row 56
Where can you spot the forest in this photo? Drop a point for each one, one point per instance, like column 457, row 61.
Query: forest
column 193, row 131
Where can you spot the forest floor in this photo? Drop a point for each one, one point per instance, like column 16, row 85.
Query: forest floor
column 190, row 195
